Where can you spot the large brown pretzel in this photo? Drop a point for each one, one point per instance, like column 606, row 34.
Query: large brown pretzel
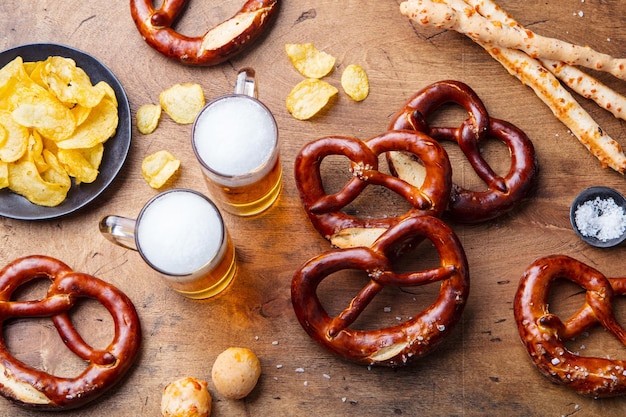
column 544, row 334
column 37, row 389
column 219, row 44
column 502, row 193
column 430, row 197
column 399, row 344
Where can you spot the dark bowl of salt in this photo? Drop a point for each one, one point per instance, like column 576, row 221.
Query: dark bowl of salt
column 598, row 216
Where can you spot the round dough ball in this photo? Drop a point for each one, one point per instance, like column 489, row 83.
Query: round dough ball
column 186, row 397
column 236, row 372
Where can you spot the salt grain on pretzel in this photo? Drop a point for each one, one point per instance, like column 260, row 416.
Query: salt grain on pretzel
column 464, row 18
column 544, row 334
column 37, row 389
column 402, row 343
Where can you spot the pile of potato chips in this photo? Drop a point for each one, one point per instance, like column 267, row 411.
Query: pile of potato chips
column 53, row 124
column 312, row 94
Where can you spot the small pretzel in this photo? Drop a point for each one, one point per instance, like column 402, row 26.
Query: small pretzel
column 428, row 198
column 503, row 193
column 219, row 44
column 33, row 388
column 544, row 334
column 399, row 344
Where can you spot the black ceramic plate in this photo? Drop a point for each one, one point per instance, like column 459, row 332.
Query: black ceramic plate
column 588, row 195
column 115, row 149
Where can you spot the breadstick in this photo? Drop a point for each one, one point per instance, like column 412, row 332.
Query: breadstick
column 531, row 73
column 579, row 81
column 458, row 15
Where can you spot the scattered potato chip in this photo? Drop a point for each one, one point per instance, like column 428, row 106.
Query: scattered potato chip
column 52, row 126
column 182, row 102
column 158, row 168
column 309, row 61
column 355, row 83
column 308, row 97
column 148, row 117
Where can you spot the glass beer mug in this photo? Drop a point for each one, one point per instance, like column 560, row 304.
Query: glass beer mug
column 235, row 139
column 180, row 234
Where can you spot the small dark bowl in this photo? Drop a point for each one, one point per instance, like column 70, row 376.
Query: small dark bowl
column 588, row 195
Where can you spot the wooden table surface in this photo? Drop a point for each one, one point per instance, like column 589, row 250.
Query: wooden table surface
column 481, row 369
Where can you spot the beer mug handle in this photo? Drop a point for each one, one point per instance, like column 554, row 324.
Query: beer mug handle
column 119, row 230
column 246, row 83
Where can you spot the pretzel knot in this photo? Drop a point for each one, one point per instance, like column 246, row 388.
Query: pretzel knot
column 219, row 44
column 37, row 389
column 544, row 334
column 502, row 193
column 429, row 197
column 399, row 344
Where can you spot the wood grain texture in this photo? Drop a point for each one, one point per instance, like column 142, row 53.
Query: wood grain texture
column 482, row 369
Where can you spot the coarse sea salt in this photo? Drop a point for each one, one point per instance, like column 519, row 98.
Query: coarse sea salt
column 600, row 218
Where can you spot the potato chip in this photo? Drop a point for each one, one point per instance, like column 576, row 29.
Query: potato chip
column 108, row 91
column 35, row 151
column 309, row 61
column 48, row 189
column 99, row 126
column 16, row 140
column 182, row 102
column 148, row 117
column 77, row 166
column 355, row 83
column 3, row 136
column 4, row 175
column 69, row 83
column 93, row 155
column 80, row 113
column 308, row 97
column 158, row 168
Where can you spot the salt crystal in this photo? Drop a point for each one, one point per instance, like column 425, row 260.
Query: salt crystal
column 600, row 218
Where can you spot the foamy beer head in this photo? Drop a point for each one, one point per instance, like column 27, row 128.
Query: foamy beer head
column 235, row 139
column 181, row 233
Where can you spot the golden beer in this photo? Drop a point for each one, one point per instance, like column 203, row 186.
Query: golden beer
column 235, row 139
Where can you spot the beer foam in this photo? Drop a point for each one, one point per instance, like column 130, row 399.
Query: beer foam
column 235, row 135
column 179, row 232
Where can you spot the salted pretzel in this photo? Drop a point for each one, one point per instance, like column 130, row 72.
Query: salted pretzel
column 399, row 344
column 37, row 389
column 502, row 193
column 429, row 197
column 219, row 44
column 544, row 334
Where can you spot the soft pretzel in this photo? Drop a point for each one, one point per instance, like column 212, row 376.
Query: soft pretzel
column 503, row 193
column 396, row 345
column 430, row 196
column 544, row 334
column 34, row 388
column 219, row 44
